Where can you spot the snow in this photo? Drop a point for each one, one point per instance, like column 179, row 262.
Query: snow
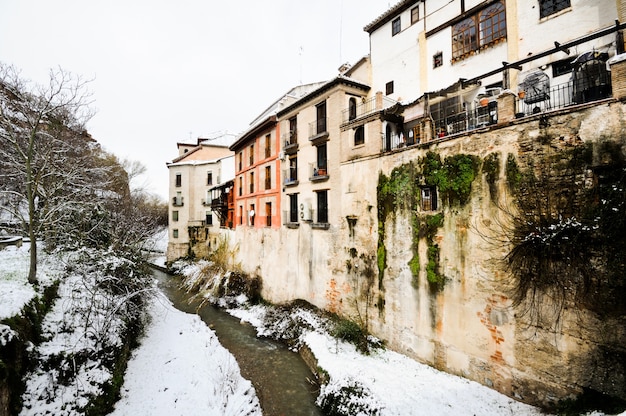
column 14, row 286
column 181, row 369
column 396, row 384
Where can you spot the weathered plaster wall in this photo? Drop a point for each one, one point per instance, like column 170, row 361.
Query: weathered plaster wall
column 468, row 327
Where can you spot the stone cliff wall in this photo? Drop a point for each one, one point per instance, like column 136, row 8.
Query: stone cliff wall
column 439, row 286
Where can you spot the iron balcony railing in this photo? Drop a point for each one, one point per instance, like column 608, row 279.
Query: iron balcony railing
column 318, row 127
column 290, row 176
column 366, row 107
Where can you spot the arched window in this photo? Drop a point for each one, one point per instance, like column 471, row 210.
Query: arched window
column 492, row 23
column 352, row 108
column 464, row 39
column 359, row 136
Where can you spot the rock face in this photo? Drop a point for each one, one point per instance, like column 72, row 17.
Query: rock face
column 439, row 283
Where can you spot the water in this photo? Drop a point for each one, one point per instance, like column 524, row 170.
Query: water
column 280, row 377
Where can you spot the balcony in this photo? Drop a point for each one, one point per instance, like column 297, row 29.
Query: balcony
column 290, row 177
column 290, row 142
column 366, row 108
column 290, row 218
column 318, row 132
column 318, row 173
column 178, row 201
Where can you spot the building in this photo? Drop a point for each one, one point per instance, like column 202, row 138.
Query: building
column 258, row 156
column 462, row 77
column 198, row 168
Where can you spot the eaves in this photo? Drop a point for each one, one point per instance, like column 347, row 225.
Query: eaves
column 340, row 80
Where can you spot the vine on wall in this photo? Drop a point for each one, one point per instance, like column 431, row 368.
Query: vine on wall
column 567, row 238
column 401, row 191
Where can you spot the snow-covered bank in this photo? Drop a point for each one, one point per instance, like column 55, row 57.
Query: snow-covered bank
column 387, row 383
column 181, row 369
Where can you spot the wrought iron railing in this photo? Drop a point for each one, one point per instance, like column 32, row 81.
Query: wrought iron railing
column 366, row 107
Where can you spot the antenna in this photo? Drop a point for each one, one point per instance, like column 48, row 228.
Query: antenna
column 341, row 33
column 300, row 51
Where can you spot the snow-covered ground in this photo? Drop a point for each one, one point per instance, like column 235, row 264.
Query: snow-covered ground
column 181, row 369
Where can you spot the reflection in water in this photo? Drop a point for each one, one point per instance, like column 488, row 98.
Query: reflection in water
column 280, row 377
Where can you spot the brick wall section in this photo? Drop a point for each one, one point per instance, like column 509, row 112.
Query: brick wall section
column 506, row 107
column 618, row 79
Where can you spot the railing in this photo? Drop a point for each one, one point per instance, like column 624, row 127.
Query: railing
column 177, row 201
column 290, row 176
column 564, row 95
column 366, row 107
column 396, row 141
column 466, row 120
column 290, row 217
column 318, row 172
column 317, row 127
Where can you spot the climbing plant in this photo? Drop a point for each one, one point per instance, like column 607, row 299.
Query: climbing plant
column 567, row 240
column 401, row 191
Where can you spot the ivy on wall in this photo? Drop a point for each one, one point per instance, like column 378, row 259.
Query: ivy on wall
column 567, row 237
column 401, row 191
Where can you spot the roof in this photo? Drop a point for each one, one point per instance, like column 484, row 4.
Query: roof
column 340, row 79
column 389, row 15
column 253, row 131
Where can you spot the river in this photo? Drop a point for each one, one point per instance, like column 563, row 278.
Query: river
column 280, row 377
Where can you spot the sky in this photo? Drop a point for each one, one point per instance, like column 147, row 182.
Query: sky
column 164, row 72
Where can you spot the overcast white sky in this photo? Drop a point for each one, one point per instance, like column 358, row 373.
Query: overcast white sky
column 170, row 71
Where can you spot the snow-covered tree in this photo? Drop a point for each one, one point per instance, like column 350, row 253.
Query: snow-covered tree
column 44, row 148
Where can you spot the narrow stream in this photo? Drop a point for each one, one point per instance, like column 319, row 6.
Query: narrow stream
column 280, row 376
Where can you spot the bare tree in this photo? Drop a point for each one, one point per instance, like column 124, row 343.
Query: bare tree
column 43, row 144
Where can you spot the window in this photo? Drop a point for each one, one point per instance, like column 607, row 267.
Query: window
column 321, row 117
column 389, row 88
column 322, row 206
column 251, row 215
column 464, row 38
column 395, row 26
column 240, row 186
column 293, row 130
column 174, row 215
column 178, row 199
column 209, row 218
column 359, row 136
column 322, row 156
column 251, row 182
column 268, row 214
column 179, row 180
column 492, row 23
column 479, row 30
column 268, row 145
column 562, row 67
column 415, row 15
column 352, row 108
column 209, row 178
column 251, row 154
column 268, row 177
column 175, row 233
column 240, row 162
column 293, row 208
column 429, row 199
column 240, row 215
column 292, row 174
column 550, row 7
column 437, row 59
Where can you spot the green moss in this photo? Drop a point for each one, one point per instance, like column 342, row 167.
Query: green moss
column 414, row 266
column 491, row 169
column 513, row 174
column 434, row 277
column 453, row 177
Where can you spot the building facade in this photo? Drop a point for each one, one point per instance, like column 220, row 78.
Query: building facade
column 197, row 169
column 463, row 77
